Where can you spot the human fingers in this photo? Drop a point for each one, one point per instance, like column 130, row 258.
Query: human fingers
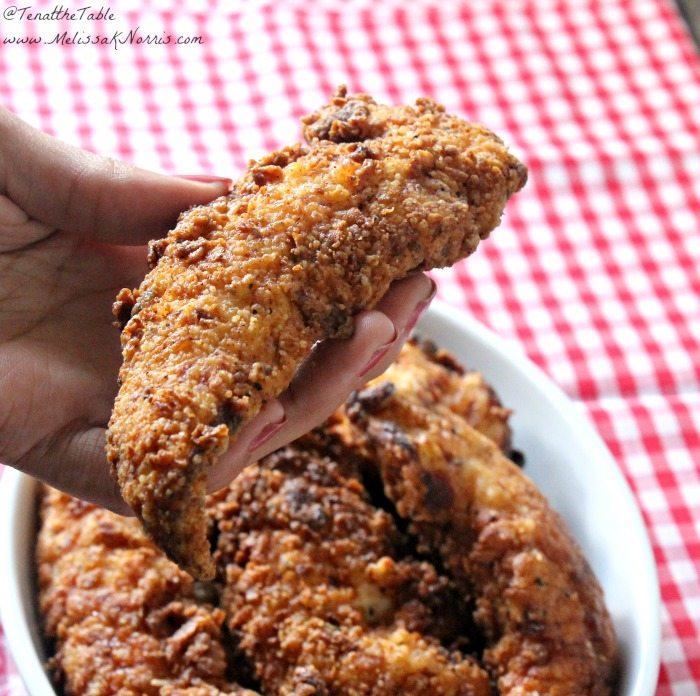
column 74, row 461
column 334, row 369
column 61, row 186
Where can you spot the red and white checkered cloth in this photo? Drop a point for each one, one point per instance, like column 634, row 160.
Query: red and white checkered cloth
column 594, row 271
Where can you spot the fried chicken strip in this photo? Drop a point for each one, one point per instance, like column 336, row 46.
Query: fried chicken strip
column 537, row 600
column 444, row 384
column 242, row 288
column 125, row 619
column 320, row 593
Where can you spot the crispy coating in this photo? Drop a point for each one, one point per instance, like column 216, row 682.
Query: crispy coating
column 540, row 606
column 124, row 619
column 322, row 594
column 242, row 288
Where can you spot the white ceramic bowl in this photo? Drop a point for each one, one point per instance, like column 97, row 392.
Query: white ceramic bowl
column 564, row 455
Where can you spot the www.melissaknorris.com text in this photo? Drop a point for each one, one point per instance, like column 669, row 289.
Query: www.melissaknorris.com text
column 132, row 37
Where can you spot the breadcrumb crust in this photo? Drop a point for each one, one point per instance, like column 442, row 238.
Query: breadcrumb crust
column 242, row 288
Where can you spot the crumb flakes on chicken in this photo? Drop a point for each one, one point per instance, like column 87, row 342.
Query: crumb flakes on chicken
column 242, row 288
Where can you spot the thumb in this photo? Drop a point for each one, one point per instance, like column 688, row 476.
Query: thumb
column 73, row 460
column 107, row 200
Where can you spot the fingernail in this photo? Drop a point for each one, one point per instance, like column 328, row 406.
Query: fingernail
column 266, row 433
column 420, row 308
column 207, row 179
column 379, row 354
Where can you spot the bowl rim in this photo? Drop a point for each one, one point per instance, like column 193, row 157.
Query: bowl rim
column 17, row 492
column 18, row 611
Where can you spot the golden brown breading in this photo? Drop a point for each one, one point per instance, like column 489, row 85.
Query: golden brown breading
column 242, row 288
column 537, row 600
column 321, row 593
column 125, row 620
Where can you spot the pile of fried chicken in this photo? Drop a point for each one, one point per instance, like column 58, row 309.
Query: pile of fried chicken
column 396, row 549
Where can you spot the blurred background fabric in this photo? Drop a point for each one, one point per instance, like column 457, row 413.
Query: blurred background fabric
column 594, row 272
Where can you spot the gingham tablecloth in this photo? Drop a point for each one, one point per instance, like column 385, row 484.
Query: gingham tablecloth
column 594, row 272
